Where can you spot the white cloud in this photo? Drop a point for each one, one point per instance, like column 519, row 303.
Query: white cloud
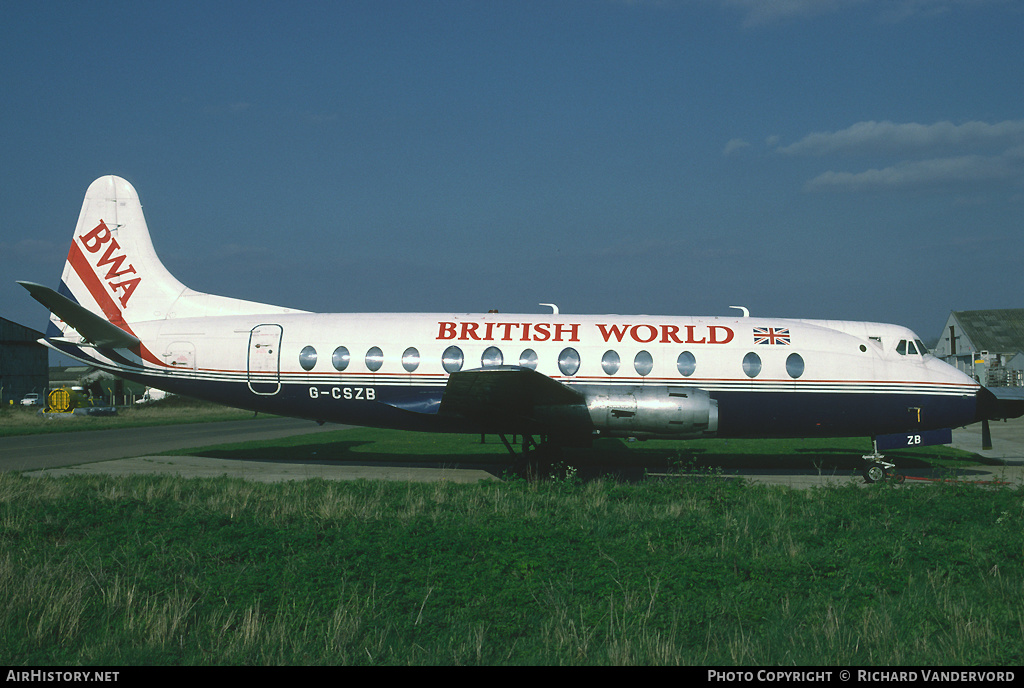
column 734, row 145
column 767, row 11
column 873, row 138
column 762, row 12
column 921, row 156
column 922, row 174
column 904, row 9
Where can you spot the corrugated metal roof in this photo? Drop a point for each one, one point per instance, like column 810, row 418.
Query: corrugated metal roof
column 11, row 332
column 999, row 330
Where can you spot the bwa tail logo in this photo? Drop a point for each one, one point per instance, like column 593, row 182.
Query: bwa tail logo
column 93, row 242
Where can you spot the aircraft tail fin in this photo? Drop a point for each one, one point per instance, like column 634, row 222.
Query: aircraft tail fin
column 112, row 271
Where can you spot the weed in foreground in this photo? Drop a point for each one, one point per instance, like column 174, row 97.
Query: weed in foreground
column 105, row 570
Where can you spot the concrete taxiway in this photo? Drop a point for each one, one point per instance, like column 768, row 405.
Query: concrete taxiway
column 130, row 452
column 1007, row 456
column 54, row 450
column 274, row 471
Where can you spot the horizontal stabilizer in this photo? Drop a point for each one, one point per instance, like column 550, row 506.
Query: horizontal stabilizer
column 95, row 330
column 1000, row 403
column 1005, row 402
column 1007, row 393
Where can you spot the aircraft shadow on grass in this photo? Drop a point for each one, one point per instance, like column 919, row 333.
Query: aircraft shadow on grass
column 608, row 458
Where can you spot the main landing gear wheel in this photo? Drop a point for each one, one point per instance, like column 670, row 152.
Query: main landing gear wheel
column 534, row 457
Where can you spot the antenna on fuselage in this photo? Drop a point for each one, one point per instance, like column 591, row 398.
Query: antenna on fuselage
column 746, row 312
column 553, row 307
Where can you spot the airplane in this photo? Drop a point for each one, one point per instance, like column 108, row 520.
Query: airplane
column 564, row 379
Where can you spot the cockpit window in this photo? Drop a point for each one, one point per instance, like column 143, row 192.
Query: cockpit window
column 912, row 347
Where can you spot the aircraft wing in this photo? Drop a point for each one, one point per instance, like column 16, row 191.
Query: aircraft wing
column 506, row 395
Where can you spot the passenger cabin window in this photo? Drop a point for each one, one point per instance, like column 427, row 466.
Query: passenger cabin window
column 452, row 359
column 374, row 359
column 795, row 365
column 411, row 359
column 340, row 358
column 643, row 363
column 528, row 359
column 492, row 357
column 686, row 364
column 307, row 358
column 610, row 362
column 569, row 361
column 752, row 365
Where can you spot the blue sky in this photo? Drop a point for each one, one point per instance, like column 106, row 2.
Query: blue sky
column 847, row 159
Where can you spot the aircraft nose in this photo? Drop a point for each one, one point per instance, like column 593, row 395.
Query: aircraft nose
column 986, row 405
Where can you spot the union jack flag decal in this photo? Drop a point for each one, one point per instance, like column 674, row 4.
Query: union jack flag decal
column 772, row 335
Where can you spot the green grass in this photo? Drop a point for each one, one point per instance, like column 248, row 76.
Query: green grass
column 577, row 569
column 20, row 420
column 162, row 570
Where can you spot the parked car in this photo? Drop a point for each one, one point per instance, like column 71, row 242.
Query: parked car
column 31, row 399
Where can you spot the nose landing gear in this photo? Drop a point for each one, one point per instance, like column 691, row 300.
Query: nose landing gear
column 876, row 469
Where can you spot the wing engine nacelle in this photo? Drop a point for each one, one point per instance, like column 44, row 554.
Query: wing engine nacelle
column 653, row 411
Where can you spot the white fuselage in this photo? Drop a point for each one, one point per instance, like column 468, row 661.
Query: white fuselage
column 769, row 376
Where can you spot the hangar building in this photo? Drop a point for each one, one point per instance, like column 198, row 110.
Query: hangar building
column 23, row 363
column 989, row 345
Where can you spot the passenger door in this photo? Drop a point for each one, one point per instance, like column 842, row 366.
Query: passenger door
column 264, row 359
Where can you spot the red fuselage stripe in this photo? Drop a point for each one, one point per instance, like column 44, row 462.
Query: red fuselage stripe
column 110, row 310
